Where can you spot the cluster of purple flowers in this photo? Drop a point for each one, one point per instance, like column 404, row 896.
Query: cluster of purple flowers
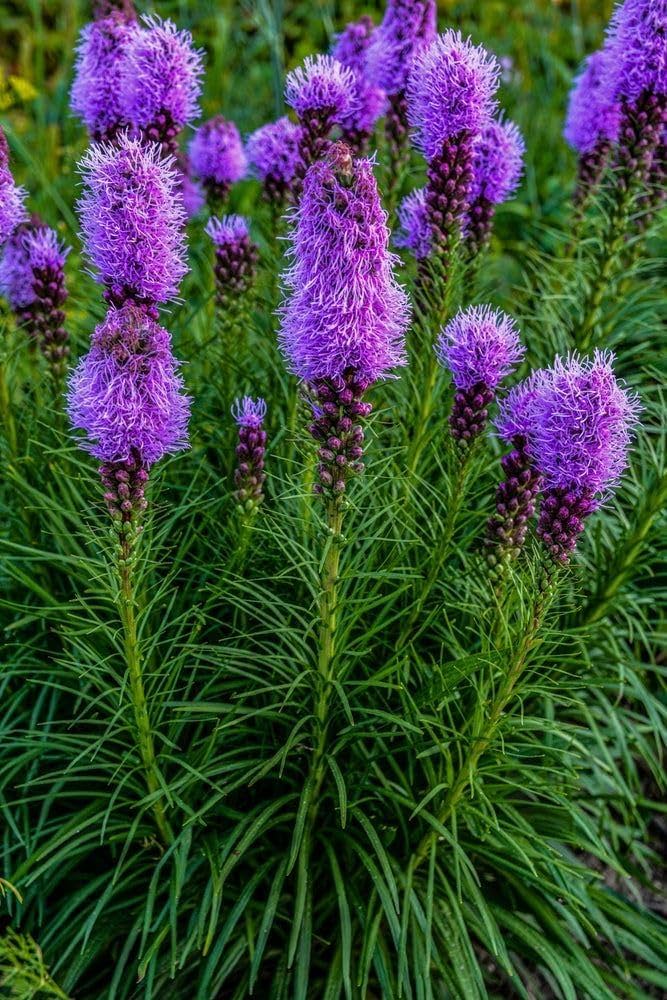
column 274, row 152
column 12, row 197
column 217, row 157
column 236, row 257
column 249, row 475
column 351, row 49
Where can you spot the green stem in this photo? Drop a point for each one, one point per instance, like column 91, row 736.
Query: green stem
column 6, row 412
column 128, row 610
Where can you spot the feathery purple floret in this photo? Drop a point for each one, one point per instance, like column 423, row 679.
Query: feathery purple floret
column 450, row 91
column 101, row 61
column 515, row 411
column 249, row 475
column 216, row 153
column 322, row 88
column 583, row 421
column 637, row 44
column 162, row 82
column 126, row 394
column 497, row 162
column 274, row 151
column 344, row 309
column 593, row 114
column 12, row 205
column 415, row 229
column 33, row 247
column 236, row 257
column 132, row 219
column 227, row 229
column 249, row 412
column 479, row 345
column 350, row 49
column 407, row 26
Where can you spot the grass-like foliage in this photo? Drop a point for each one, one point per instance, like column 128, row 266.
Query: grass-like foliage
column 297, row 745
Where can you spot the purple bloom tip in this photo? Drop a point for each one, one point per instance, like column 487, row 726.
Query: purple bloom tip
column 274, row 151
column 344, row 309
column 101, row 56
column 126, row 393
column 636, row 41
column 12, row 205
column 498, row 162
column 415, row 229
column 451, row 90
column 227, row 229
column 32, row 248
column 322, row 86
column 216, row 152
column 249, row 412
column 479, row 345
column 350, row 49
column 132, row 218
column 515, row 410
column 406, row 28
column 593, row 114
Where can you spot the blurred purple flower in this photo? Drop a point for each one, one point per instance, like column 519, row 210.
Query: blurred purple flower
column 407, row 26
column 350, row 49
column 12, row 197
column 217, row 156
column 274, row 151
column 101, row 61
column 415, row 229
column 593, row 113
column 497, row 161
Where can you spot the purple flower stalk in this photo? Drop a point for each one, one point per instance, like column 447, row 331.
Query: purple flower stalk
column 344, row 318
column 217, row 157
column 637, row 72
column 593, row 121
column 480, row 346
column 249, row 476
column 32, row 276
column 350, row 49
column 236, row 257
column 274, row 151
column 101, row 60
column 323, row 93
column 12, row 197
column 415, row 229
column 450, row 102
column 496, row 172
column 126, row 395
column 132, row 219
column 162, row 82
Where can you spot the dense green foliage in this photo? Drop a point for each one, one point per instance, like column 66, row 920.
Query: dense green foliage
column 414, row 824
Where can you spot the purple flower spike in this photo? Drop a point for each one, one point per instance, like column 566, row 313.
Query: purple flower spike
column 351, row 49
column 480, row 346
column 101, row 61
column 12, row 197
column 132, row 218
column 496, row 172
column 274, row 151
column 415, row 229
column 249, row 476
column 236, row 256
column 162, row 82
column 126, row 393
column 451, row 90
column 322, row 92
column 344, row 309
column 516, row 410
column 593, row 113
column 407, row 26
column 217, row 156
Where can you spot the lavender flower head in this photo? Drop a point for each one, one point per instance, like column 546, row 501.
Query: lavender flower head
column 274, row 151
column 415, row 229
column 126, row 393
column 638, row 49
column 450, row 91
column 162, row 82
column 99, row 73
column 516, row 410
column 479, row 345
column 16, row 270
column 249, row 412
column 344, row 309
column 217, row 155
column 497, row 162
column 227, row 229
column 593, row 113
column 132, row 219
column 350, row 49
column 407, row 26
column 12, row 197
column 249, row 475
column 235, row 256
column 322, row 92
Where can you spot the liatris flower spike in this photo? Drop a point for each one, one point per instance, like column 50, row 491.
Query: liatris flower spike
column 450, row 102
column 480, row 346
column 593, row 121
column 12, row 197
column 274, row 152
column 162, row 82
column 249, row 476
column 323, row 93
column 415, row 230
column 496, row 172
column 32, row 276
column 350, row 49
column 126, row 395
column 637, row 70
column 517, row 493
column 344, row 319
column 217, row 158
column 101, row 62
column 132, row 219
column 236, row 257
column 582, row 425
column 407, row 26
